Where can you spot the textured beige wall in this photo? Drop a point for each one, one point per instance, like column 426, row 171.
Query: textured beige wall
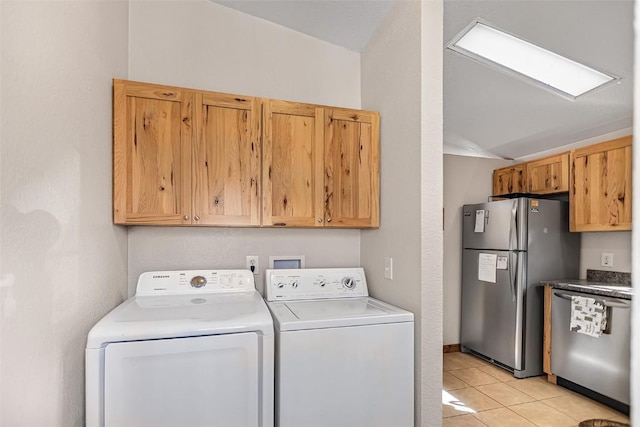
column 158, row 248
column 401, row 78
column 593, row 244
column 635, row 257
column 466, row 180
column 201, row 44
column 63, row 263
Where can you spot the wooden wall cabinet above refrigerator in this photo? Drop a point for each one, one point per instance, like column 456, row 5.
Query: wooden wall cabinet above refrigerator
column 548, row 175
column 600, row 196
column 190, row 157
column 509, row 180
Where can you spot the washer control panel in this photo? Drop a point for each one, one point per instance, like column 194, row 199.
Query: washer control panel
column 194, row 282
column 315, row 283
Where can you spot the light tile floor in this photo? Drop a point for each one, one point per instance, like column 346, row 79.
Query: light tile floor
column 475, row 393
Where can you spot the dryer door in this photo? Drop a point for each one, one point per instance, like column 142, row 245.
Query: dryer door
column 199, row 381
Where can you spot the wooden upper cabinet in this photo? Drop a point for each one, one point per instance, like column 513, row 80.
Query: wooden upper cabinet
column 192, row 157
column 292, row 171
column 548, row 175
column 509, row 180
column 320, row 166
column 600, row 188
column 351, row 158
column 226, row 160
column 153, row 131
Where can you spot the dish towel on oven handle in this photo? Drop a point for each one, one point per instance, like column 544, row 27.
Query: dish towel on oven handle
column 588, row 316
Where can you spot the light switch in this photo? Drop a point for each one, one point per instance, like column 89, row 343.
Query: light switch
column 388, row 268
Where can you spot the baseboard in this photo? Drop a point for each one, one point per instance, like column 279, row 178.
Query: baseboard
column 450, row 348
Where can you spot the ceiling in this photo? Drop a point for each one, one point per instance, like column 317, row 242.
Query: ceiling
column 486, row 112
column 347, row 23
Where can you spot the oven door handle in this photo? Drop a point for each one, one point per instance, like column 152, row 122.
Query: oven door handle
column 616, row 303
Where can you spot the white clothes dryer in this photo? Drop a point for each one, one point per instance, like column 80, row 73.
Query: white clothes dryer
column 191, row 348
column 343, row 359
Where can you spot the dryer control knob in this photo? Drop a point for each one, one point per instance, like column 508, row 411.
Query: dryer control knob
column 198, row 281
column 348, row 282
column 295, row 284
column 280, row 285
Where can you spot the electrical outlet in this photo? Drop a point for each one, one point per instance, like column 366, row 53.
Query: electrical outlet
column 388, row 268
column 607, row 259
column 253, row 264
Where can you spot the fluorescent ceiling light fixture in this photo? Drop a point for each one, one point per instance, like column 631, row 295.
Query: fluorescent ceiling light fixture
column 484, row 43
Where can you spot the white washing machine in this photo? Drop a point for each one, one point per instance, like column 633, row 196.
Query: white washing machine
column 191, row 348
column 343, row 359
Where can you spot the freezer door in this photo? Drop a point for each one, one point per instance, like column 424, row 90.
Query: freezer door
column 492, row 313
column 499, row 225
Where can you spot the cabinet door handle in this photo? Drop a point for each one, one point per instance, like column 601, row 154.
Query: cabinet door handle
column 197, row 218
column 186, row 217
column 328, row 219
column 319, row 220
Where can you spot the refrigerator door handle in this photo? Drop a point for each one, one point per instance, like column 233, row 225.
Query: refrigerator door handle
column 520, row 315
column 513, row 228
column 513, row 273
column 513, row 233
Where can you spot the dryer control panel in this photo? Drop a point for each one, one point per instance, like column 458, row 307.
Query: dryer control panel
column 194, row 282
column 315, row 283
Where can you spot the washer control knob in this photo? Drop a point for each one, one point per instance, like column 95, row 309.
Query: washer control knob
column 295, row 284
column 198, row 281
column 348, row 282
column 323, row 283
column 280, row 285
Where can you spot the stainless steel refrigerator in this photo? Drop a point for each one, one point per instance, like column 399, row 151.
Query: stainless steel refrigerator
column 508, row 247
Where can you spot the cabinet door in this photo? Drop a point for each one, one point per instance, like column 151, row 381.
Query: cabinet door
column 226, row 160
column 600, row 196
column 292, row 164
column 549, row 175
column 352, row 156
column 152, row 140
column 509, row 180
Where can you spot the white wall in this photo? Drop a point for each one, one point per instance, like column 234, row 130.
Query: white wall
column 403, row 57
column 63, row 262
column 431, row 205
column 466, row 180
column 157, row 248
column 593, row 244
column 203, row 45
column 635, row 311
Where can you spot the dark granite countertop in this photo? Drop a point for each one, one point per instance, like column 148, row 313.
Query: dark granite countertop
column 598, row 282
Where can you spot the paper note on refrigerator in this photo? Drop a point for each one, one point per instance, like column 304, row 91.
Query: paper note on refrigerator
column 479, row 221
column 487, row 267
column 502, row 262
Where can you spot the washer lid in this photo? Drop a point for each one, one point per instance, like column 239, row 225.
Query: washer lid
column 334, row 313
column 174, row 316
